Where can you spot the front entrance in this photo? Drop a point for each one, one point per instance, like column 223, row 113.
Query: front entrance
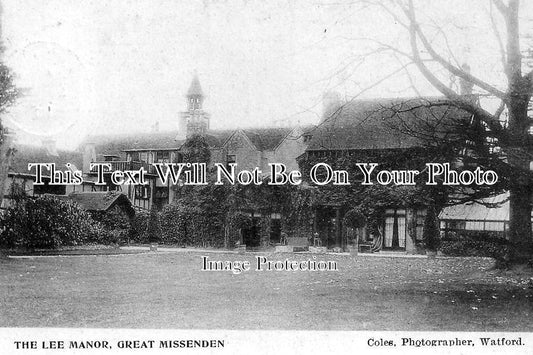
column 328, row 225
column 395, row 229
column 251, row 236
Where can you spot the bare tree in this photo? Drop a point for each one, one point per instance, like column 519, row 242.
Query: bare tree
column 8, row 95
column 508, row 128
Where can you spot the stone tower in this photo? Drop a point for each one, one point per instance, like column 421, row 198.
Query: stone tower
column 194, row 121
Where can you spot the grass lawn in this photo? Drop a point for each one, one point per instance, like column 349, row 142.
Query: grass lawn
column 168, row 290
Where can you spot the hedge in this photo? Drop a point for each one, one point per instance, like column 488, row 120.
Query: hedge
column 484, row 244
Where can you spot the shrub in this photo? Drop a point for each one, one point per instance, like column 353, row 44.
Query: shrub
column 354, row 219
column 154, row 227
column 97, row 234
column 45, row 222
column 113, row 226
column 465, row 243
column 174, row 224
column 139, row 228
column 191, row 226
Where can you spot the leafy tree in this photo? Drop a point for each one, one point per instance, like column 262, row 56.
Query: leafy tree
column 8, row 95
column 196, row 150
column 354, row 218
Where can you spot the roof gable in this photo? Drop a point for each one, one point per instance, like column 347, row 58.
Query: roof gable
column 266, row 138
column 217, row 138
column 99, row 201
column 237, row 140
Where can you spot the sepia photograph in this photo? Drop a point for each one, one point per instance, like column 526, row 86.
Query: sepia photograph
column 229, row 176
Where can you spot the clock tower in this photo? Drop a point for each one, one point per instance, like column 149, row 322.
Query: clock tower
column 194, row 121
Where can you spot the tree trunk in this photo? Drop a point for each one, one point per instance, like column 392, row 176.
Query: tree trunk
column 6, row 157
column 520, row 184
column 431, row 229
column 519, row 222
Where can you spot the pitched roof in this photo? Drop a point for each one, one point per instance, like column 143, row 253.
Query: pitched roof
column 262, row 138
column 99, row 201
column 118, row 143
column 25, row 154
column 266, row 138
column 217, row 138
column 385, row 124
column 479, row 211
column 195, row 89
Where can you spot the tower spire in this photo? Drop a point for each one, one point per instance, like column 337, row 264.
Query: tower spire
column 195, row 121
column 195, row 89
column 195, row 95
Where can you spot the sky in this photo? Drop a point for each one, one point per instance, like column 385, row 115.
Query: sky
column 120, row 66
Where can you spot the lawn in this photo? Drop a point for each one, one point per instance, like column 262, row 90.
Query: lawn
column 168, row 290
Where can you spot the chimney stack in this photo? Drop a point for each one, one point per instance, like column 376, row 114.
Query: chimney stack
column 50, row 146
column 465, row 87
column 89, row 156
column 331, row 102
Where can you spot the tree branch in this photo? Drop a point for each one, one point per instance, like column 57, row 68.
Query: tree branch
column 451, row 68
column 529, row 78
column 514, row 57
column 500, row 109
column 500, row 42
column 492, row 122
column 500, row 5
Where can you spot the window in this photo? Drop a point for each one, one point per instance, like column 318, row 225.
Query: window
column 143, row 157
column 456, row 224
column 230, row 159
column 134, row 156
column 420, row 218
column 194, row 103
column 161, row 192
column 395, row 229
column 142, row 192
column 163, row 157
